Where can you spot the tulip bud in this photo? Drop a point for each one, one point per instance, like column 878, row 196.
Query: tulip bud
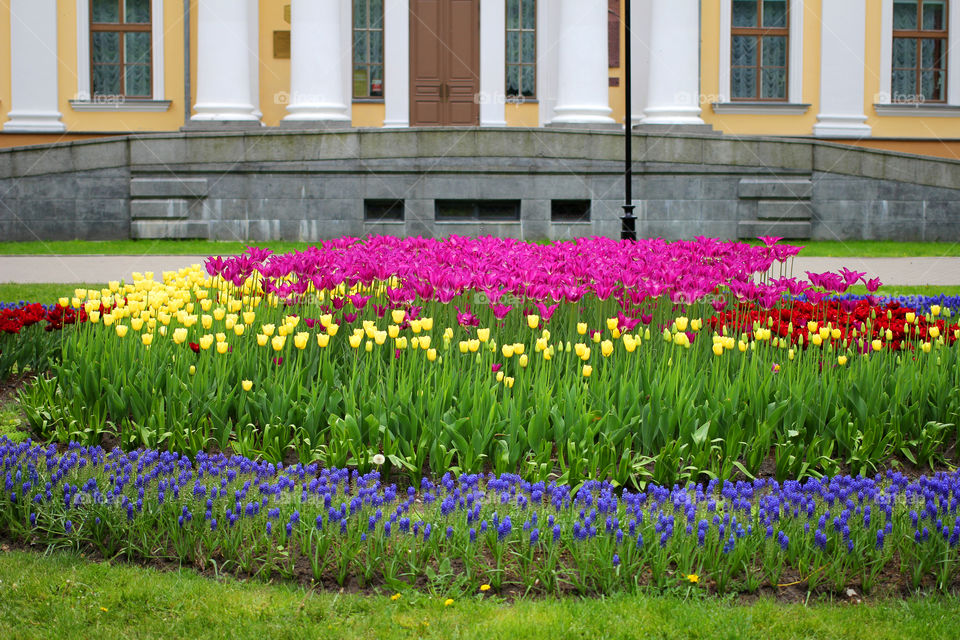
column 841, row 360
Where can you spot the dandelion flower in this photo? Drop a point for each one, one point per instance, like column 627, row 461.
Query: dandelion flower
column 484, row 587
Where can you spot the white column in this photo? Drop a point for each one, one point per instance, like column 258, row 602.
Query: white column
column 843, row 43
column 396, row 63
column 316, row 72
column 673, row 81
column 225, row 63
column 582, row 87
column 493, row 60
column 640, row 32
column 34, row 105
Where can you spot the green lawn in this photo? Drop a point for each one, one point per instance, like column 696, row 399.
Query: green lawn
column 848, row 248
column 64, row 596
column 46, row 293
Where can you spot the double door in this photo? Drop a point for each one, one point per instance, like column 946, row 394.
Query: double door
column 444, row 63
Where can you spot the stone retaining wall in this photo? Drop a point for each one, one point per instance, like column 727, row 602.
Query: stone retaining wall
column 296, row 185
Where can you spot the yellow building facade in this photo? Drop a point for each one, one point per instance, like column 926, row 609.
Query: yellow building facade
column 833, row 71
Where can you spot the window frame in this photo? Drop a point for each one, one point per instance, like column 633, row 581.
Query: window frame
column 520, row 65
column 122, row 28
column 83, row 101
column 761, row 32
column 354, row 65
column 919, row 35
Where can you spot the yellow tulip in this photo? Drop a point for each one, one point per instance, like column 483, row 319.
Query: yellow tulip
column 64, row 302
column 262, row 339
column 426, row 324
column 278, row 342
column 206, row 341
column 889, row 335
column 249, row 317
column 379, row 337
column 935, row 310
column 431, row 354
column 193, row 369
column 533, row 321
column 323, row 339
column 425, row 342
column 508, row 382
column 401, row 342
column 606, row 348
column 368, row 346
column 147, row 339
column 629, row 343
column 696, row 324
column 587, row 371
column 473, row 345
column 519, row 348
column 267, row 329
column 464, row 346
column 812, row 326
column 218, row 313
column 523, row 360
column 926, row 347
column 507, row 350
column 934, row 332
column 220, row 336
column 283, row 330
column 681, row 323
column 579, row 349
column 326, row 319
column 230, row 322
column 448, row 333
column 397, row 315
column 582, row 328
column 206, row 321
column 205, row 304
column 718, row 349
column 93, row 317
column 300, row 340
column 222, row 348
column 393, row 330
column 238, row 329
column 790, row 354
column 613, row 323
column 121, row 330
column 742, row 346
column 877, row 345
column 416, row 326
column 586, row 354
column 483, row 334
column 816, row 339
column 247, row 385
column 332, row 329
column 841, row 360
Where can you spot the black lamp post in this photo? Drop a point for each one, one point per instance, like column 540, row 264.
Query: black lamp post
column 628, row 230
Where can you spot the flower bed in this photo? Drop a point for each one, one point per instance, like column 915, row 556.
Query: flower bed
column 476, row 532
column 627, row 362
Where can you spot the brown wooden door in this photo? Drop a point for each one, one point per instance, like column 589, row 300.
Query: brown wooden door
column 444, row 62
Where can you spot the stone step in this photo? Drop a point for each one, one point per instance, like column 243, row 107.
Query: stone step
column 784, row 210
column 794, row 230
column 774, row 188
column 172, row 209
column 174, row 229
column 168, row 188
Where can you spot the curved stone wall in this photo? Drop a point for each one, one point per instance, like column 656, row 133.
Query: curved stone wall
column 306, row 185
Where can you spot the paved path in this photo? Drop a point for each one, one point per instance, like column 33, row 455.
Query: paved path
column 100, row 269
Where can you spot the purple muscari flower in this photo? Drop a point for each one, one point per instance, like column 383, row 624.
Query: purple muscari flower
column 269, row 528
column 473, row 534
column 449, row 532
column 556, row 531
column 363, row 537
column 68, row 526
column 213, row 525
column 820, row 540
column 504, row 529
column 639, row 541
column 483, row 526
column 534, row 535
column 880, row 538
column 33, row 519
column 319, row 522
column 783, row 540
column 616, row 560
column 289, row 529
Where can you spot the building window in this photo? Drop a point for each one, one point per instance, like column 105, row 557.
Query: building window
column 521, row 48
column 570, row 210
column 760, row 47
column 368, row 49
column 383, row 210
column 920, row 45
column 121, row 48
column 477, row 210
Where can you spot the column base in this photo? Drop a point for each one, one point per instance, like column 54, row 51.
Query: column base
column 222, row 125
column 840, row 126
column 320, row 125
column 590, row 126
column 34, row 122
